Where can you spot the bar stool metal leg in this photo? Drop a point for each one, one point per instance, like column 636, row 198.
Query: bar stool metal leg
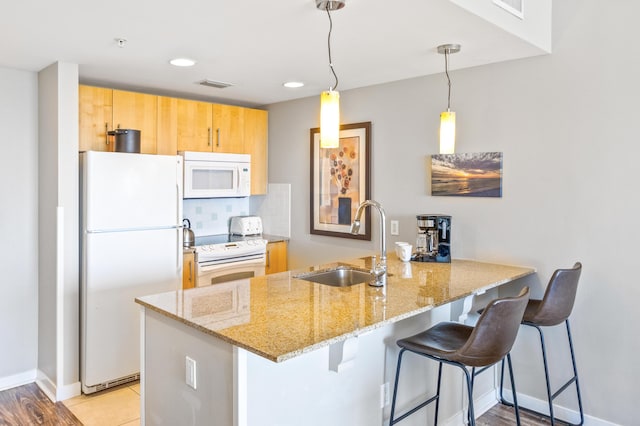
column 513, row 386
column 471, row 416
column 550, row 396
column 435, row 421
column 395, row 389
column 436, row 397
column 546, row 374
column 575, row 373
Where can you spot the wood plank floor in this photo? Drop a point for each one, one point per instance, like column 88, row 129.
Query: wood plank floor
column 500, row 415
column 28, row 405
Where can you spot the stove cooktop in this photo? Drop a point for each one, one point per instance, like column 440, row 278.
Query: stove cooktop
column 206, row 240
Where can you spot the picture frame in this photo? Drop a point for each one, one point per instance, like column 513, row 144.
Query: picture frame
column 475, row 174
column 340, row 181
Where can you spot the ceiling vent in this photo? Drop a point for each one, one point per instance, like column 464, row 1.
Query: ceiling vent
column 216, row 84
column 514, row 7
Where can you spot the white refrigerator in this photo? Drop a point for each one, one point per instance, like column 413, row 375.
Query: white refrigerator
column 131, row 246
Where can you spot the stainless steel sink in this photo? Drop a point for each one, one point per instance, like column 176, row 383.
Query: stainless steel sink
column 342, row 276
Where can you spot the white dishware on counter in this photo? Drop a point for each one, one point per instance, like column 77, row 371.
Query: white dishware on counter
column 403, row 251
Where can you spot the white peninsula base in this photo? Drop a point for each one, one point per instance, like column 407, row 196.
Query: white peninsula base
column 346, row 383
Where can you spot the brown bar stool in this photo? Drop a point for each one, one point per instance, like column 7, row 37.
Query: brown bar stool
column 462, row 345
column 554, row 308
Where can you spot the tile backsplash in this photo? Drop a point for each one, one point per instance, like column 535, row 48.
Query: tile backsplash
column 274, row 209
column 210, row 216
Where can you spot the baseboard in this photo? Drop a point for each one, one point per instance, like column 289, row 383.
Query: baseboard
column 561, row 413
column 16, row 380
column 69, row 391
column 56, row 393
column 46, row 385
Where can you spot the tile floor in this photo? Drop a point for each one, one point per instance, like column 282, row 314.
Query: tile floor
column 113, row 407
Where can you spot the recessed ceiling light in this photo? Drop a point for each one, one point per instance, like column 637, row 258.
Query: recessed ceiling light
column 293, row 84
column 182, row 62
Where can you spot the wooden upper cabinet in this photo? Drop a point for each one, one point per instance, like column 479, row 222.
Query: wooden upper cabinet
column 228, row 128
column 137, row 111
column 255, row 143
column 95, row 118
column 167, row 125
column 195, row 130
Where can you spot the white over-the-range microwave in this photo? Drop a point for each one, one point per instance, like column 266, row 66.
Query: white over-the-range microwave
column 216, row 175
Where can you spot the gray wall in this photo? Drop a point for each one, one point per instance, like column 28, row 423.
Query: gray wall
column 38, row 174
column 567, row 125
column 18, row 219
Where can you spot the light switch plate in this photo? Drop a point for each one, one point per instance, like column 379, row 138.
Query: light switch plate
column 395, row 227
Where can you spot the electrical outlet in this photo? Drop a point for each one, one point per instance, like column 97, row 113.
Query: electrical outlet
column 190, row 373
column 395, row 227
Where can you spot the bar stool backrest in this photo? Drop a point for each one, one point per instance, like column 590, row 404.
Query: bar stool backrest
column 559, row 297
column 495, row 331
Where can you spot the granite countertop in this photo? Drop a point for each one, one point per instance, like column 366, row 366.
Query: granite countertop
column 274, row 238
column 279, row 316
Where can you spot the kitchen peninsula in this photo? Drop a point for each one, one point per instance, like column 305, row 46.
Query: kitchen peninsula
column 280, row 350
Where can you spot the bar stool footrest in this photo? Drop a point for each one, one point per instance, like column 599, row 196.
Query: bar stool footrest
column 414, row 409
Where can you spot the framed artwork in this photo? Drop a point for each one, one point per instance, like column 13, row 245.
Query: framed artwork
column 340, row 182
column 467, row 174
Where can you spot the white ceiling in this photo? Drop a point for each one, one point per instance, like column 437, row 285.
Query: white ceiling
column 255, row 44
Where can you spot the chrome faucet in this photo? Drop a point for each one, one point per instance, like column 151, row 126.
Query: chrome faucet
column 379, row 268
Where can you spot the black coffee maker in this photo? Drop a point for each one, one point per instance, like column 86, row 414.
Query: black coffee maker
column 433, row 243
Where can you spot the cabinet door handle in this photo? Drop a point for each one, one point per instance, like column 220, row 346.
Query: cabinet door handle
column 106, row 133
column 218, row 137
column 209, row 136
column 190, row 272
column 268, row 258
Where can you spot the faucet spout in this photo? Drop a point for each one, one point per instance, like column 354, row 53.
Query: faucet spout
column 380, row 269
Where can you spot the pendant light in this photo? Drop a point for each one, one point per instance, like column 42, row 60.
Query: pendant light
column 448, row 117
column 330, row 99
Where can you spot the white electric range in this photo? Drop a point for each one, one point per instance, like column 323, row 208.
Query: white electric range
column 222, row 258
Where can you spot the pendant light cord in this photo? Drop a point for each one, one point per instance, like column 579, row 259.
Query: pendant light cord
column 329, row 46
column 446, row 71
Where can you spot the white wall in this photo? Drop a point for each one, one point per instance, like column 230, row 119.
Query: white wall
column 18, row 219
column 58, row 337
column 567, row 125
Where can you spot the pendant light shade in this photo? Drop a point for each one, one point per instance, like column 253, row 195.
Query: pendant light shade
column 447, row 132
column 448, row 117
column 330, row 99
column 330, row 119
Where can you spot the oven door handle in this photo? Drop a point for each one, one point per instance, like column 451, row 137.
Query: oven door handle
column 204, row 267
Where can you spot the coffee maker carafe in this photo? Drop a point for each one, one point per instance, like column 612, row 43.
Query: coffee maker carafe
column 433, row 243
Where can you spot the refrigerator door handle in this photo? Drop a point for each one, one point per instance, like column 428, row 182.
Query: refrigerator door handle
column 178, row 204
column 178, row 248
